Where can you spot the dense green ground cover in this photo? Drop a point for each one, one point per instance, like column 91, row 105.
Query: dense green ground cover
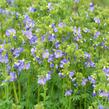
column 54, row 54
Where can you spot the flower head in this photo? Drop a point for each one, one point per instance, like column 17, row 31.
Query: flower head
column 29, row 23
column 101, row 107
column 20, row 65
column 50, row 58
column 12, row 76
column 61, row 24
column 28, row 34
column 96, row 34
column 10, row 32
column 77, row 33
column 91, row 79
column 27, row 66
column 51, row 37
column 87, row 55
column 10, row 2
column 91, row 7
column 104, row 94
column 17, row 52
column 31, row 9
column 42, row 81
column 76, row 1
column 51, row 65
column 58, row 53
column 63, row 61
column 68, row 92
column 55, row 30
column 57, row 44
column 84, row 81
column 89, row 63
column 106, row 70
column 97, row 20
column 61, row 75
column 50, row 6
column 33, row 39
column 71, row 74
column 45, row 54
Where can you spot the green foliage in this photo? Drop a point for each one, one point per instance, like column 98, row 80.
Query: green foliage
column 66, row 80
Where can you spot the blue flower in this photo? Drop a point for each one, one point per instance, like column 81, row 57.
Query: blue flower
column 61, row 24
column 27, row 66
column 4, row 59
column 14, row 37
column 10, row 2
column 106, row 70
column 94, row 94
column 96, row 34
column 48, row 76
column 71, row 74
column 12, row 76
column 29, row 23
column 77, row 33
column 31, row 9
column 63, row 61
column 28, row 34
column 91, row 7
column 33, row 39
column 45, row 54
column 8, row 67
column 51, row 37
column 10, row 32
column 42, row 81
column 50, row 6
column 20, row 65
column 68, row 92
column 43, row 38
column 1, row 58
column 50, row 72
column 76, row 1
column 92, row 64
column 53, row 25
column 61, row 75
column 17, row 52
column 58, row 54
column 104, row 94
column 87, row 55
column 89, row 63
column 2, row 11
column 91, row 79
column 84, row 81
column 38, row 60
column 97, row 20
column 57, row 44
column 33, row 51
column 101, row 107
column 55, row 30
column 51, row 65
column 51, row 58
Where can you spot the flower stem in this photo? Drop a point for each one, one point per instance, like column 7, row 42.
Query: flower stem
column 15, row 93
column 44, row 94
column 38, row 99
column 19, row 89
column 28, row 91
